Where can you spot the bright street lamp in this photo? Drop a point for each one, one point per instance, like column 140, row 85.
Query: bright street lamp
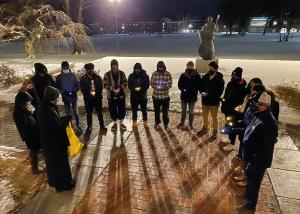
column 117, row 30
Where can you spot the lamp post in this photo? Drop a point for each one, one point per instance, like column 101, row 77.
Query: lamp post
column 116, row 2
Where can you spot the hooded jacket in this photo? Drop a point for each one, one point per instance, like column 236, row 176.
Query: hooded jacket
column 138, row 80
column 110, row 83
column 86, row 87
column 41, row 81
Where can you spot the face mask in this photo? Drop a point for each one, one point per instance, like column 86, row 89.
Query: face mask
column 189, row 70
column 56, row 101
column 211, row 72
column 66, row 71
column 160, row 69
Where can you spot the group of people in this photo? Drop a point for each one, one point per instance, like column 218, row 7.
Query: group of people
column 251, row 107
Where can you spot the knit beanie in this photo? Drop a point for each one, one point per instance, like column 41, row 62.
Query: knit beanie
column 237, row 72
column 51, row 93
column 138, row 66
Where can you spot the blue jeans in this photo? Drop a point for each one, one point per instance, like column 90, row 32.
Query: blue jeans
column 191, row 111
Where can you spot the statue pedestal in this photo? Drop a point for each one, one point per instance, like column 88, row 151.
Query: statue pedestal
column 202, row 65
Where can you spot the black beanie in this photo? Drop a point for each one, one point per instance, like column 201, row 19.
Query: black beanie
column 22, row 98
column 214, row 64
column 65, row 64
column 89, row 66
column 40, row 68
column 138, row 66
column 114, row 62
column 237, row 72
column 161, row 64
column 51, row 93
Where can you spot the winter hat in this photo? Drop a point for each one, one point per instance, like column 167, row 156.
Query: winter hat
column 51, row 93
column 89, row 66
column 65, row 64
column 114, row 62
column 237, row 72
column 190, row 63
column 259, row 88
column 138, row 66
column 265, row 99
column 214, row 64
column 161, row 64
column 22, row 98
column 40, row 68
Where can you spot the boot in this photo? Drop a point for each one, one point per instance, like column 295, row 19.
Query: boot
column 34, row 162
column 240, row 178
column 202, row 132
column 134, row 124
column 146, row 124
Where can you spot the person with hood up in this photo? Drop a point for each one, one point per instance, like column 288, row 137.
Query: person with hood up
column 189, row 84
column 138, row 84
column 41, row 80
column 115, row 83
column 54, row 141
column 211, row 90
column 68, row 84
column 161, row 82
column 27, row 126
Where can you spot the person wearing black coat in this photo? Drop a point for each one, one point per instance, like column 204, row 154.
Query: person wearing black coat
column 54, row 141
column 91, row 87
column 189, row 84
column 41, row 80
column 234, row 96
column 212, row 87
column 27, row 126
column 258, row 147
column 138, row 84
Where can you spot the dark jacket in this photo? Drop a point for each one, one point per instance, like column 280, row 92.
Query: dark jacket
column 68, row 84
column 52, row 129
column 27, row 126
column 235, row 94
column 189, row 85
column 41, row 82
column 86, row 84
column 110, row 83
column 259, row 140
column 214, row 87
column 138, row 80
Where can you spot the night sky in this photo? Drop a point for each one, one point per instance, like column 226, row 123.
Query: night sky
column 147, row 10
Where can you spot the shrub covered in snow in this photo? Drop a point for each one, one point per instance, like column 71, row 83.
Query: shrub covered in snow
column 290, row 93
column 9, row 76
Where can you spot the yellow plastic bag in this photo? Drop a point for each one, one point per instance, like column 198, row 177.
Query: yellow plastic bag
column 75, row 144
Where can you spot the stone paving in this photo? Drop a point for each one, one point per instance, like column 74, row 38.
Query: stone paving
column 168, row 172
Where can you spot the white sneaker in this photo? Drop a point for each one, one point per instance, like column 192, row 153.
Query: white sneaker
column 229, row 147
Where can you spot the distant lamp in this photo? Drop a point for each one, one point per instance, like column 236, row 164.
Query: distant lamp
column 190, row 25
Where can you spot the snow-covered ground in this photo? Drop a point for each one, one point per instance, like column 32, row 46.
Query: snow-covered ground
column 272, row 72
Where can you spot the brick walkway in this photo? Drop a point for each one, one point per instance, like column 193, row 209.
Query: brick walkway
column 157, row 172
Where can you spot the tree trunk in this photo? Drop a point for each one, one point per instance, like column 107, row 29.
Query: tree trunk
column 80, row 10
column 265, row 29
column 66, row 6
column 29, row 48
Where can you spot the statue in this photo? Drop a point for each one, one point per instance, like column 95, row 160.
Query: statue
column 206, row 49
